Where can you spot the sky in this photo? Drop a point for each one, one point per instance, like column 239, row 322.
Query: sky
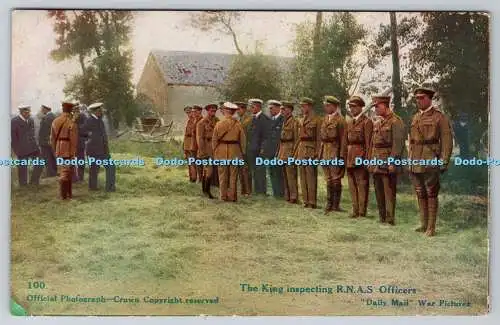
column 37, row 80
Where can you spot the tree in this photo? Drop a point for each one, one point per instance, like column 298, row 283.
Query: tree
column 98, row 39
column 453, row 52
column 220, row 21
column 253, row 76
column 396, row 72
column 330, row 67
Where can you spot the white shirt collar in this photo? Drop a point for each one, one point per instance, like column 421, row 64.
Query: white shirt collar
column 22, row 118
column 258, row 114
column 425, row 110
column 275, row 117
column 91, row 114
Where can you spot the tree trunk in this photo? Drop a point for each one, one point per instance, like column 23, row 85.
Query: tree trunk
column 396, row 75
column 316, row 82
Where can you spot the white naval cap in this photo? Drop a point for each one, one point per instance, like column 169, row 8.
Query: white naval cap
column 273, row 102
column 229, row 105
column 94, row 106
column 255, row 100
column 23, row 108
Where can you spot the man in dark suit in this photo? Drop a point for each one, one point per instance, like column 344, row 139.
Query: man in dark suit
column 97, row 147
column 82, row 138
column 44, row 140
column 271, row 149
column 259, row 132
column 24, row 145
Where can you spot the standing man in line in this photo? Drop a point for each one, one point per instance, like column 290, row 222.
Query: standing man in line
column 64, row 141
column 332, row 142
column 228, row 142
column 430, row 137
column 82, row 138
column 359, row 134
column 23, row 143
column 387, row 141
column 44, row 140
column 197, row 116
column 244, row 172
column 259, row 131
column 308, row 147
column 272, row 146
column 189, row 132
column 288, row 139
column 204, row 133
column 97, row 146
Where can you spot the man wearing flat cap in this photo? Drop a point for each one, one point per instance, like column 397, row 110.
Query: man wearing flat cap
column 308, row 146
column 44, row 140
column 356, row 145
column 387, row 141
column 64, row 141
column 259, row 131
column 23, row 142
column 272, row 144
column 288, row 139
column 197, row 116
column 97, row 147
column 332, row 142
column 204, row 133
column 189, row 138
column 244, row 172
column 430, row 137
column 228, row 143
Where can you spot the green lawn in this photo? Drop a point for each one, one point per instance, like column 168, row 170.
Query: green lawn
column 158, row 237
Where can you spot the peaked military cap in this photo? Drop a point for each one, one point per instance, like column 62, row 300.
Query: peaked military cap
column 288, row 103
column 46, row 107
column 197, row 107
column 241, row 104
column 306, row 100
column 255, row 101
column 211, row 105
column 229, row 105
column 357, row 100
column 331, row 100
column 95, row 106
column 381, row 99
column 424, row 90
column 67, row 105
column 24, row 108
column 187, row 108
column 273, row 102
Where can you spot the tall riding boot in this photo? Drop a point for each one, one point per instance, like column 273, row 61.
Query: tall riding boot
column 208, row 184
column 62, row 189
column 431, row 224
column 424, row 214
column 329, row 198
column 337, row 189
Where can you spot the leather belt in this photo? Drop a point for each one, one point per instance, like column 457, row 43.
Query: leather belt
column 208, row 138
column 229, row 142
column 188, row 136
column 432, row 141
column 329, row 140
column 383, row 145
column 355, row 142
column 307, row 139
column 64, row 139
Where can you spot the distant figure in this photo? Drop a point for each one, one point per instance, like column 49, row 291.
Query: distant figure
column 97, row 147
column 244, row 172
column 288, row 139
column 204, row 133
column 24, row 144
column 271, row 148
column 64, row 141
column 79, row 176
column 189, row 138
column 44, row 140
column 198, row 170
column 259, row 132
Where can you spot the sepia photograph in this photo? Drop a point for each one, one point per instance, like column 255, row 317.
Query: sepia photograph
column 250, row 163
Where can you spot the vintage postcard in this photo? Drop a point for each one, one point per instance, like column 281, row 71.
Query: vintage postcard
column 249, row 163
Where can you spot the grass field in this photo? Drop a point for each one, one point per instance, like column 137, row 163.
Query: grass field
column 158, row 237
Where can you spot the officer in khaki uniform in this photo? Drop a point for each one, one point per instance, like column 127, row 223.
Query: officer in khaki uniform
column 197, row 116
column 64, row 141
column 244, row 171
column 387, row 141
column 228, row 142
column 332, row 143
column 289, row 138
column 358, row 137
column 189, row 132
column 308, row 146
column 204, row 132
column 430, row 137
